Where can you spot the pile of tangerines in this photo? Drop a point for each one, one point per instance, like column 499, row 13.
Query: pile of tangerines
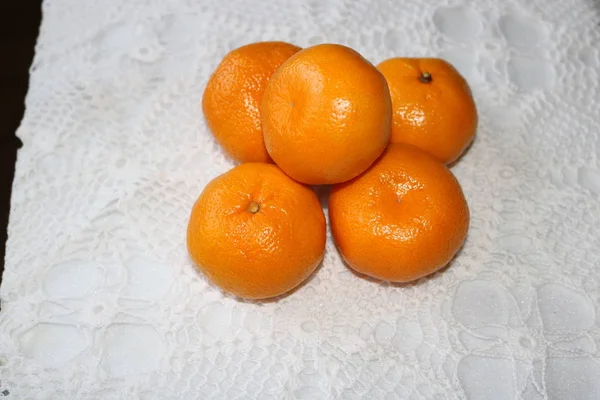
column 324, row 115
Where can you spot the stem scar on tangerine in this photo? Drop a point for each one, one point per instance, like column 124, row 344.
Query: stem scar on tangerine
column 253, row 207
column 425, row 77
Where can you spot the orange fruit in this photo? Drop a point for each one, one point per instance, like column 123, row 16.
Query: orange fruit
column 232, row 97
column 405, row 218
column 255, row 232
column 326, row 114
column 432, row 106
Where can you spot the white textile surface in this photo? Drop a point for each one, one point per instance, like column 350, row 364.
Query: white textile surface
column 100, row 300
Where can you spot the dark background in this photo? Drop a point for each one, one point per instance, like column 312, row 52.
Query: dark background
column 19, row 24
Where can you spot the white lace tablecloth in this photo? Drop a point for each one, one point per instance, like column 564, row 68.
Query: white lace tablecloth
column 100, row 300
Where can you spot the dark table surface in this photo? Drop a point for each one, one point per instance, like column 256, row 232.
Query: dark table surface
column 19, row 24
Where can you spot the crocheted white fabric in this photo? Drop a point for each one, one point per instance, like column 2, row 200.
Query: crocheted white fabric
column 100, row 300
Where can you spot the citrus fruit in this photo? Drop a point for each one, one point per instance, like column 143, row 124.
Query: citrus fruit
column 326, row 114
column 255, row 232
column 232, row 97
column 405, row 218
column 432, row 106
